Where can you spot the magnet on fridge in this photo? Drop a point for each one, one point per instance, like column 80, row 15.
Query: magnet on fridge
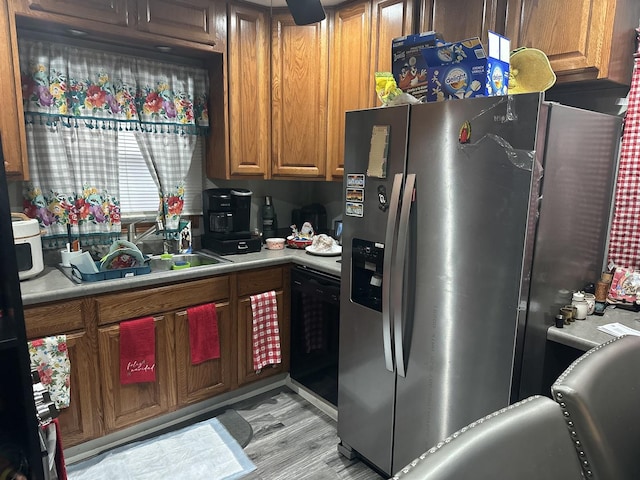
column 464, row 136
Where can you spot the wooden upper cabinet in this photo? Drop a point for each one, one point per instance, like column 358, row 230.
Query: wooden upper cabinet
column 390, row 19
column 299, row 76
column 115, row 12
column 12, row 131
column 349, row 75
column 185, row 19
column 461, row 19
column 249, row 89
column 584, row 39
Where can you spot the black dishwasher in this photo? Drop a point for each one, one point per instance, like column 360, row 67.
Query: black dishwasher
column 315, row 320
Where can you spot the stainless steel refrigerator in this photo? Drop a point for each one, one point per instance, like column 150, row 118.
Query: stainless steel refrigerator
column 466, row 225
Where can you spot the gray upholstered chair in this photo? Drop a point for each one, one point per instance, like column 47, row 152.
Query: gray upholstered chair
column 525, row 441
column 600, row 398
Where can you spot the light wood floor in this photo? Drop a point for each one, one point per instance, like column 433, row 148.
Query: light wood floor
column 293, row 439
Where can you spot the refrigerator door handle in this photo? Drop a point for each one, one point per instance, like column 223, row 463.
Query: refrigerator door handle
column 398, row 280
column 390, row 245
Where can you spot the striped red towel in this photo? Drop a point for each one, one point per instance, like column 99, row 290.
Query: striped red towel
column 266, row 333
column 204, row 342
column 624, row 243
column 138, row 351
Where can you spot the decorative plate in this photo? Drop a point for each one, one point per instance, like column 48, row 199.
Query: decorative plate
column 122, row 258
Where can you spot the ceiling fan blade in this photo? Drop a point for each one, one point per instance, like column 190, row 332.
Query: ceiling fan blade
column 305, row 12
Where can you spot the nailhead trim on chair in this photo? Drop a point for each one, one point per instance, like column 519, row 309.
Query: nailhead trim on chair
column 586, row 468
column 455, row 435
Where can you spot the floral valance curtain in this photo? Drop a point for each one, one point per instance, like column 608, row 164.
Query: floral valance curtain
column 99, row 89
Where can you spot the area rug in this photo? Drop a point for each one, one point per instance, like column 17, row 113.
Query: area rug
column 204, row 450
column 237, row 426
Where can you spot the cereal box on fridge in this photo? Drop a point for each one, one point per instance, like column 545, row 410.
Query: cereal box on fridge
column 407, row 64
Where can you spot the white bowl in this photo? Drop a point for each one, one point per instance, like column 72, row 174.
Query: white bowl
column 275, row 243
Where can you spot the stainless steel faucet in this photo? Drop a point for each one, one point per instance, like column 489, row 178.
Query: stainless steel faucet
column 155, row 229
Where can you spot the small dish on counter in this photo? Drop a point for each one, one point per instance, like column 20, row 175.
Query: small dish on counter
column 295, row 242
column 275, row 243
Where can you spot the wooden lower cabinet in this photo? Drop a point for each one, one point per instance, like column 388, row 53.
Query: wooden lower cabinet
column 81, row 421
column 246, row 373
column 211, row 377
column 126, row 405
column 252, row 283
column 100, row 404
column 177, row 381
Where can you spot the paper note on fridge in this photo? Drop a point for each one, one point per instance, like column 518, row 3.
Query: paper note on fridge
column 378, row 152
column 617, row 330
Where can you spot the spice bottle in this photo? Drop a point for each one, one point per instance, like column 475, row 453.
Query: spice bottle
column 581, row 305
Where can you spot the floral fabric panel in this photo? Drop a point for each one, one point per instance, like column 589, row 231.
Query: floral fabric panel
column 90, row 205
column 99, row 89
column 50, row 358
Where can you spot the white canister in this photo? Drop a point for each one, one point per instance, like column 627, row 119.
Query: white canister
column 28, row 245
column 590, row 298
column 582, row 308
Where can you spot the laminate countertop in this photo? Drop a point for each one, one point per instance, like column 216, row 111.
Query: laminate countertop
column 584, row 334
column 53, row 285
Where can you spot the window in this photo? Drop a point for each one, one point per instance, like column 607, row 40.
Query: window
column 138, row 191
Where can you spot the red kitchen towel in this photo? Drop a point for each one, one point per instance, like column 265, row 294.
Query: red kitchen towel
column 61, row 467
column 204, row 342
column 624, row 243
column 137, row 351
column 53, row 460
column 266, row 333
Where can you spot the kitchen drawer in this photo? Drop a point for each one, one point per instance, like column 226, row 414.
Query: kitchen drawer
column 259, row 281
column 150, row 301
column 54, row 318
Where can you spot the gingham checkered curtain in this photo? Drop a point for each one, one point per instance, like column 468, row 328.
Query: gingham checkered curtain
column 624, row 242
column 73, row 181
column 168, row 157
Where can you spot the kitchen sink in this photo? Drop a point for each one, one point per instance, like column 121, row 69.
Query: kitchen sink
column 184, row 260
column 154, row 263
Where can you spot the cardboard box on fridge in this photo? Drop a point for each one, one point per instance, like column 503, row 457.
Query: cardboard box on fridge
column 464, row 70
column 407, row 64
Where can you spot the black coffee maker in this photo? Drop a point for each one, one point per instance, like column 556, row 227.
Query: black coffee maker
column 226, row 213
